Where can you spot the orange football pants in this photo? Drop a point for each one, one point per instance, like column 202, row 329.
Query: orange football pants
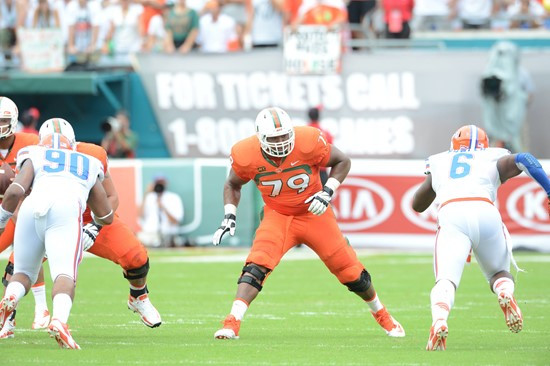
column 115, row 242
column 278, row 233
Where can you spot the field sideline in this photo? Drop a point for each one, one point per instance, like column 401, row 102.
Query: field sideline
column 302, row 317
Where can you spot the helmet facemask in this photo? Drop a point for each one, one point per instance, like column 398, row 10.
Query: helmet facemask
column 8, row 117
column 275, row 131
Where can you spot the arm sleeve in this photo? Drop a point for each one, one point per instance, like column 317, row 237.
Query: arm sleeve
column 531, row 166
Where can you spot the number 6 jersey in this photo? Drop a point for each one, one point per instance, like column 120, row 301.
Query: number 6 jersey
column 469, row 173
column 285, row 184
column 60, row 174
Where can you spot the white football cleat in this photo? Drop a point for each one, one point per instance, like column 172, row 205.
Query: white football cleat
column 7, row 330
column 388, row 323
column 512, row 313
column 437, row 341
column 41, row 319
column 60, row 331
column 143, row 306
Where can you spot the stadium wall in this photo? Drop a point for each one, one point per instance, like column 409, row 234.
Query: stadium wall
column 373, row 206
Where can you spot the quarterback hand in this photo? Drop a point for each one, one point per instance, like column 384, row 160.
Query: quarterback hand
column 319, row 201
column 90, row 232
column 228, row 224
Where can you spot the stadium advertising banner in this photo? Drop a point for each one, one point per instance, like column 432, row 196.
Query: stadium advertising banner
column 373, row 206
column 382, row 105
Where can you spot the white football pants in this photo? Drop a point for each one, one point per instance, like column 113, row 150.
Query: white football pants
column 466, row 225
column 55, row 232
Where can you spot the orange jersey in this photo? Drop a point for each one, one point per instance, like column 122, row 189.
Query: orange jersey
column 99, row 153
column 284, row 186
column 22, row 140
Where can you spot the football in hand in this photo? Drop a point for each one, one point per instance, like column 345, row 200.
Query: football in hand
column 6, row 177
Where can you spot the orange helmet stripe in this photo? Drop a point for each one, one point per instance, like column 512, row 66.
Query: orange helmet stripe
column 276, row 119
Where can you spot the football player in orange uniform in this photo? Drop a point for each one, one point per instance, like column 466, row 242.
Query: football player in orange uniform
column 10, row 144
column 115, row 242
column 284, row 163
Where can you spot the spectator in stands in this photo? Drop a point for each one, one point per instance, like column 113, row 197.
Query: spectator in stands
column 155, row 35
column 217, row 32
column 119, row 140
column 29, row 120
column 104, row 25
column 291, row 11
column 506, row 92
column 500, row 19
column 472, row 14
column 526, row 14
column 267, row 23
column 161, row 213
column 397, row 16
column 82, row 19
column 8, row 25
column 332, row 13
column 431, row 15
column 63, row 10
column 151, row 9
column 45, row 16
column 358, row 10
column 124, row 35
column 242, row 12
column 182, row 28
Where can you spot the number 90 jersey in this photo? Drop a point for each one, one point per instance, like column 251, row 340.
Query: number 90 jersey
column 284, row 186
column 60, row 174
column 461, row 174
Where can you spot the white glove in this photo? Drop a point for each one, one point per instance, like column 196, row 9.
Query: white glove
column 228, row 224
column 319, row 202
column 90, row 232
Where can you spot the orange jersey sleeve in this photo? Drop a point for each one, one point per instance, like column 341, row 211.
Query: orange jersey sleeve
column 285, row 183
column 99, row 153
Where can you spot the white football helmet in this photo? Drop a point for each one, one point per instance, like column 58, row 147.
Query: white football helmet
column 271, row 123
column 57, row 125
column 8, row 111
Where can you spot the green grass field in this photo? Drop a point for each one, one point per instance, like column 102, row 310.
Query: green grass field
column 302, row 317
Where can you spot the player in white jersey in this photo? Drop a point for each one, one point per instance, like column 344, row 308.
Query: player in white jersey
column 465, row 180
column 49, row 223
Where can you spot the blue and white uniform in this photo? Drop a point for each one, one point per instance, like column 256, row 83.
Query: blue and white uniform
column 466, row 184
column 50, row 218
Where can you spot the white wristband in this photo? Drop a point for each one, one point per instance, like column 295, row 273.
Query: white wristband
column 99, row 220
column 4, row 217
column 333, row 184
column 230, row 209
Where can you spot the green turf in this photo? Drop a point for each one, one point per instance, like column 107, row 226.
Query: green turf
column 303, row 317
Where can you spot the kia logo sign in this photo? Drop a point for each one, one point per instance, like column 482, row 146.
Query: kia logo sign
column 526, row 205
column 362, row 204
column 427, row 219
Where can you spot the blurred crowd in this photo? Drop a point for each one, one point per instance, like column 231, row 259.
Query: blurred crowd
column 106, row 27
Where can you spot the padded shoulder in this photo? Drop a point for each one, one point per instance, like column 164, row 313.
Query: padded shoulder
column 308, row 140
column 245, row 151
column 94, row 150
column 26, row 139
